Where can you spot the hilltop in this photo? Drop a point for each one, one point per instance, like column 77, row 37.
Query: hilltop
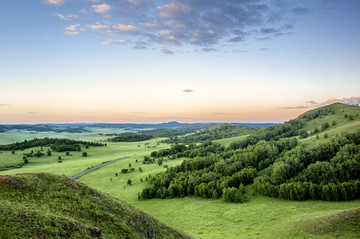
column 49, row 206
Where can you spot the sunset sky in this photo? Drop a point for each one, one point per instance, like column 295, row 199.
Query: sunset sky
column 184, row 60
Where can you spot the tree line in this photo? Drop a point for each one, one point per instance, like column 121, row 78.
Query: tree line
column 58, row 145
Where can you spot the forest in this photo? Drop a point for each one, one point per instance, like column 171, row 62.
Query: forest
column 272, row 159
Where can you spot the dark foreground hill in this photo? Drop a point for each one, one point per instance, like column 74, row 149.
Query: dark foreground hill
column 48, row 206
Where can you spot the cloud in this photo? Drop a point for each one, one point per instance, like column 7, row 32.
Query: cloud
column 125, row 28
column 4, row 105
column 32, row 112
column 69, row 16
column 72, row 27
column 207, row 24
column 295, row 107
column 350, row 100
column 54, row 2
column 188, row 91
column 168, row 52
column 172, row 10
column 354, row 100
column 71, row 33
column 73, row 30
column 301, row 10
column 98, row 26
column 101, row 8
column 110, row 42
column 219, row 113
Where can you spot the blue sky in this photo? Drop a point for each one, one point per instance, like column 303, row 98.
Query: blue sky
column 189, row 60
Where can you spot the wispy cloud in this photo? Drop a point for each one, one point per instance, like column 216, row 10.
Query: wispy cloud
column 295, row 107
column 69, row 16
column 204, row 24
column 347, row 100
column 110, row 42
column 54, row 2
column 168, row 52
column 350, row 100
column 73, row 30
column 188, row 91
column 4, row 105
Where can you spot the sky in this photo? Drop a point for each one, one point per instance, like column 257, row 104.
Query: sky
column 148, row 61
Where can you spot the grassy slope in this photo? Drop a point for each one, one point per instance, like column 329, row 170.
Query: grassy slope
column 49, row 206
column 342, row 124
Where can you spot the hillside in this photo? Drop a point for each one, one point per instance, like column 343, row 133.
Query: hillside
column 278, row 160
column 48, row 206
column 214, row 132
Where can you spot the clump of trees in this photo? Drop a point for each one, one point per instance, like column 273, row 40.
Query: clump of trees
column 329, row 171
column 58, row 145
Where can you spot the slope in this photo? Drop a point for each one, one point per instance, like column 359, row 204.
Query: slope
column 48, row 206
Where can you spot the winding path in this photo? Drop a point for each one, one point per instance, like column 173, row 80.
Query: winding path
column 96, row 167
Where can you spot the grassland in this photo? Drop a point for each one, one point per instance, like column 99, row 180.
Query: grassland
column 260, row 217
column 76, row 163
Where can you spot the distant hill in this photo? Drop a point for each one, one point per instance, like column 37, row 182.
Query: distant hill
column 48, row 206
column 80, row 127
column 214, row 132
column 43, row 128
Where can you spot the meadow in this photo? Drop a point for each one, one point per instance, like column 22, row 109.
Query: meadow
column 260, row 217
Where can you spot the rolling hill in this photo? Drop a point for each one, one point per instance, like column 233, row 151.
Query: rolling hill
column 48, row 206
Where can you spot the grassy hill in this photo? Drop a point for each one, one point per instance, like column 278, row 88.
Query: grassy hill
column 48, row 206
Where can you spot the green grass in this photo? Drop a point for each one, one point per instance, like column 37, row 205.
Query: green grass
column 74, row 164
column 226, row 142
column 49, row 206
column 12, row 136
column 261, row 217
column 342, row 124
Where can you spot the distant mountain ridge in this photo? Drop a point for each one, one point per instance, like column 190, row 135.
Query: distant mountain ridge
column 80, row 127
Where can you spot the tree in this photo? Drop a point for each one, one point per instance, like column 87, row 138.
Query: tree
column 235, row 195
column 84, row 154
column 140, row 169
column 48, row 152
column 303, row 134
column 129, row 182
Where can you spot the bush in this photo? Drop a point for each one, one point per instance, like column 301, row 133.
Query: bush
column 84, row 154
column 235, row 195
